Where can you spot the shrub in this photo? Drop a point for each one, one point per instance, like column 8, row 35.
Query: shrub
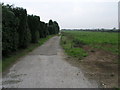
column 9, row 31
column 23, row 30
column 33, row 23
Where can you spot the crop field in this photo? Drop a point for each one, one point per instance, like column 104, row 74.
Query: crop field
column 73, row 42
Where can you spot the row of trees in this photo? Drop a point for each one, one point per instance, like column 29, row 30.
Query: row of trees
column 20, row 29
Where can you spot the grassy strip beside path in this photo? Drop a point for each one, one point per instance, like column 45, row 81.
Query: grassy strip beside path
column 8, row 61
column 68, row 46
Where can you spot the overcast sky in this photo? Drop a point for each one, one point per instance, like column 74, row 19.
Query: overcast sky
column 73, row 13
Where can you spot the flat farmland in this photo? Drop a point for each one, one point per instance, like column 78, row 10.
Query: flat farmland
column 97, row 52
column 107, row 41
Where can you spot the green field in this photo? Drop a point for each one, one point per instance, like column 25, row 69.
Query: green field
column 72, row 42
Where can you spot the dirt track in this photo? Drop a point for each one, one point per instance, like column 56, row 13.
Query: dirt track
column 45, row 67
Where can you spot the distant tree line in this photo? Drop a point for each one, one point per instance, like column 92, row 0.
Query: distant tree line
column 20, row 29
column 93, row 30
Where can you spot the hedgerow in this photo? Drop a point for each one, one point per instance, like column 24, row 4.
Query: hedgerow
column 20, row 29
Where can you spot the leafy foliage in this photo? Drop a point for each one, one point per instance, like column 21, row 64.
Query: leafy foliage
column 20, row 29
column 23, row 30
column 9, row 31
column 33, row 23
column 53, row 27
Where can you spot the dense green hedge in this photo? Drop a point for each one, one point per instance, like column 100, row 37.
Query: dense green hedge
column 33, row 23
column 23, row 29
column 9, row 31
column 20, row 29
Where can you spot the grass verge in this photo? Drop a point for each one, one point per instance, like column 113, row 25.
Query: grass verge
column 8, row 61
column 69, row 48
